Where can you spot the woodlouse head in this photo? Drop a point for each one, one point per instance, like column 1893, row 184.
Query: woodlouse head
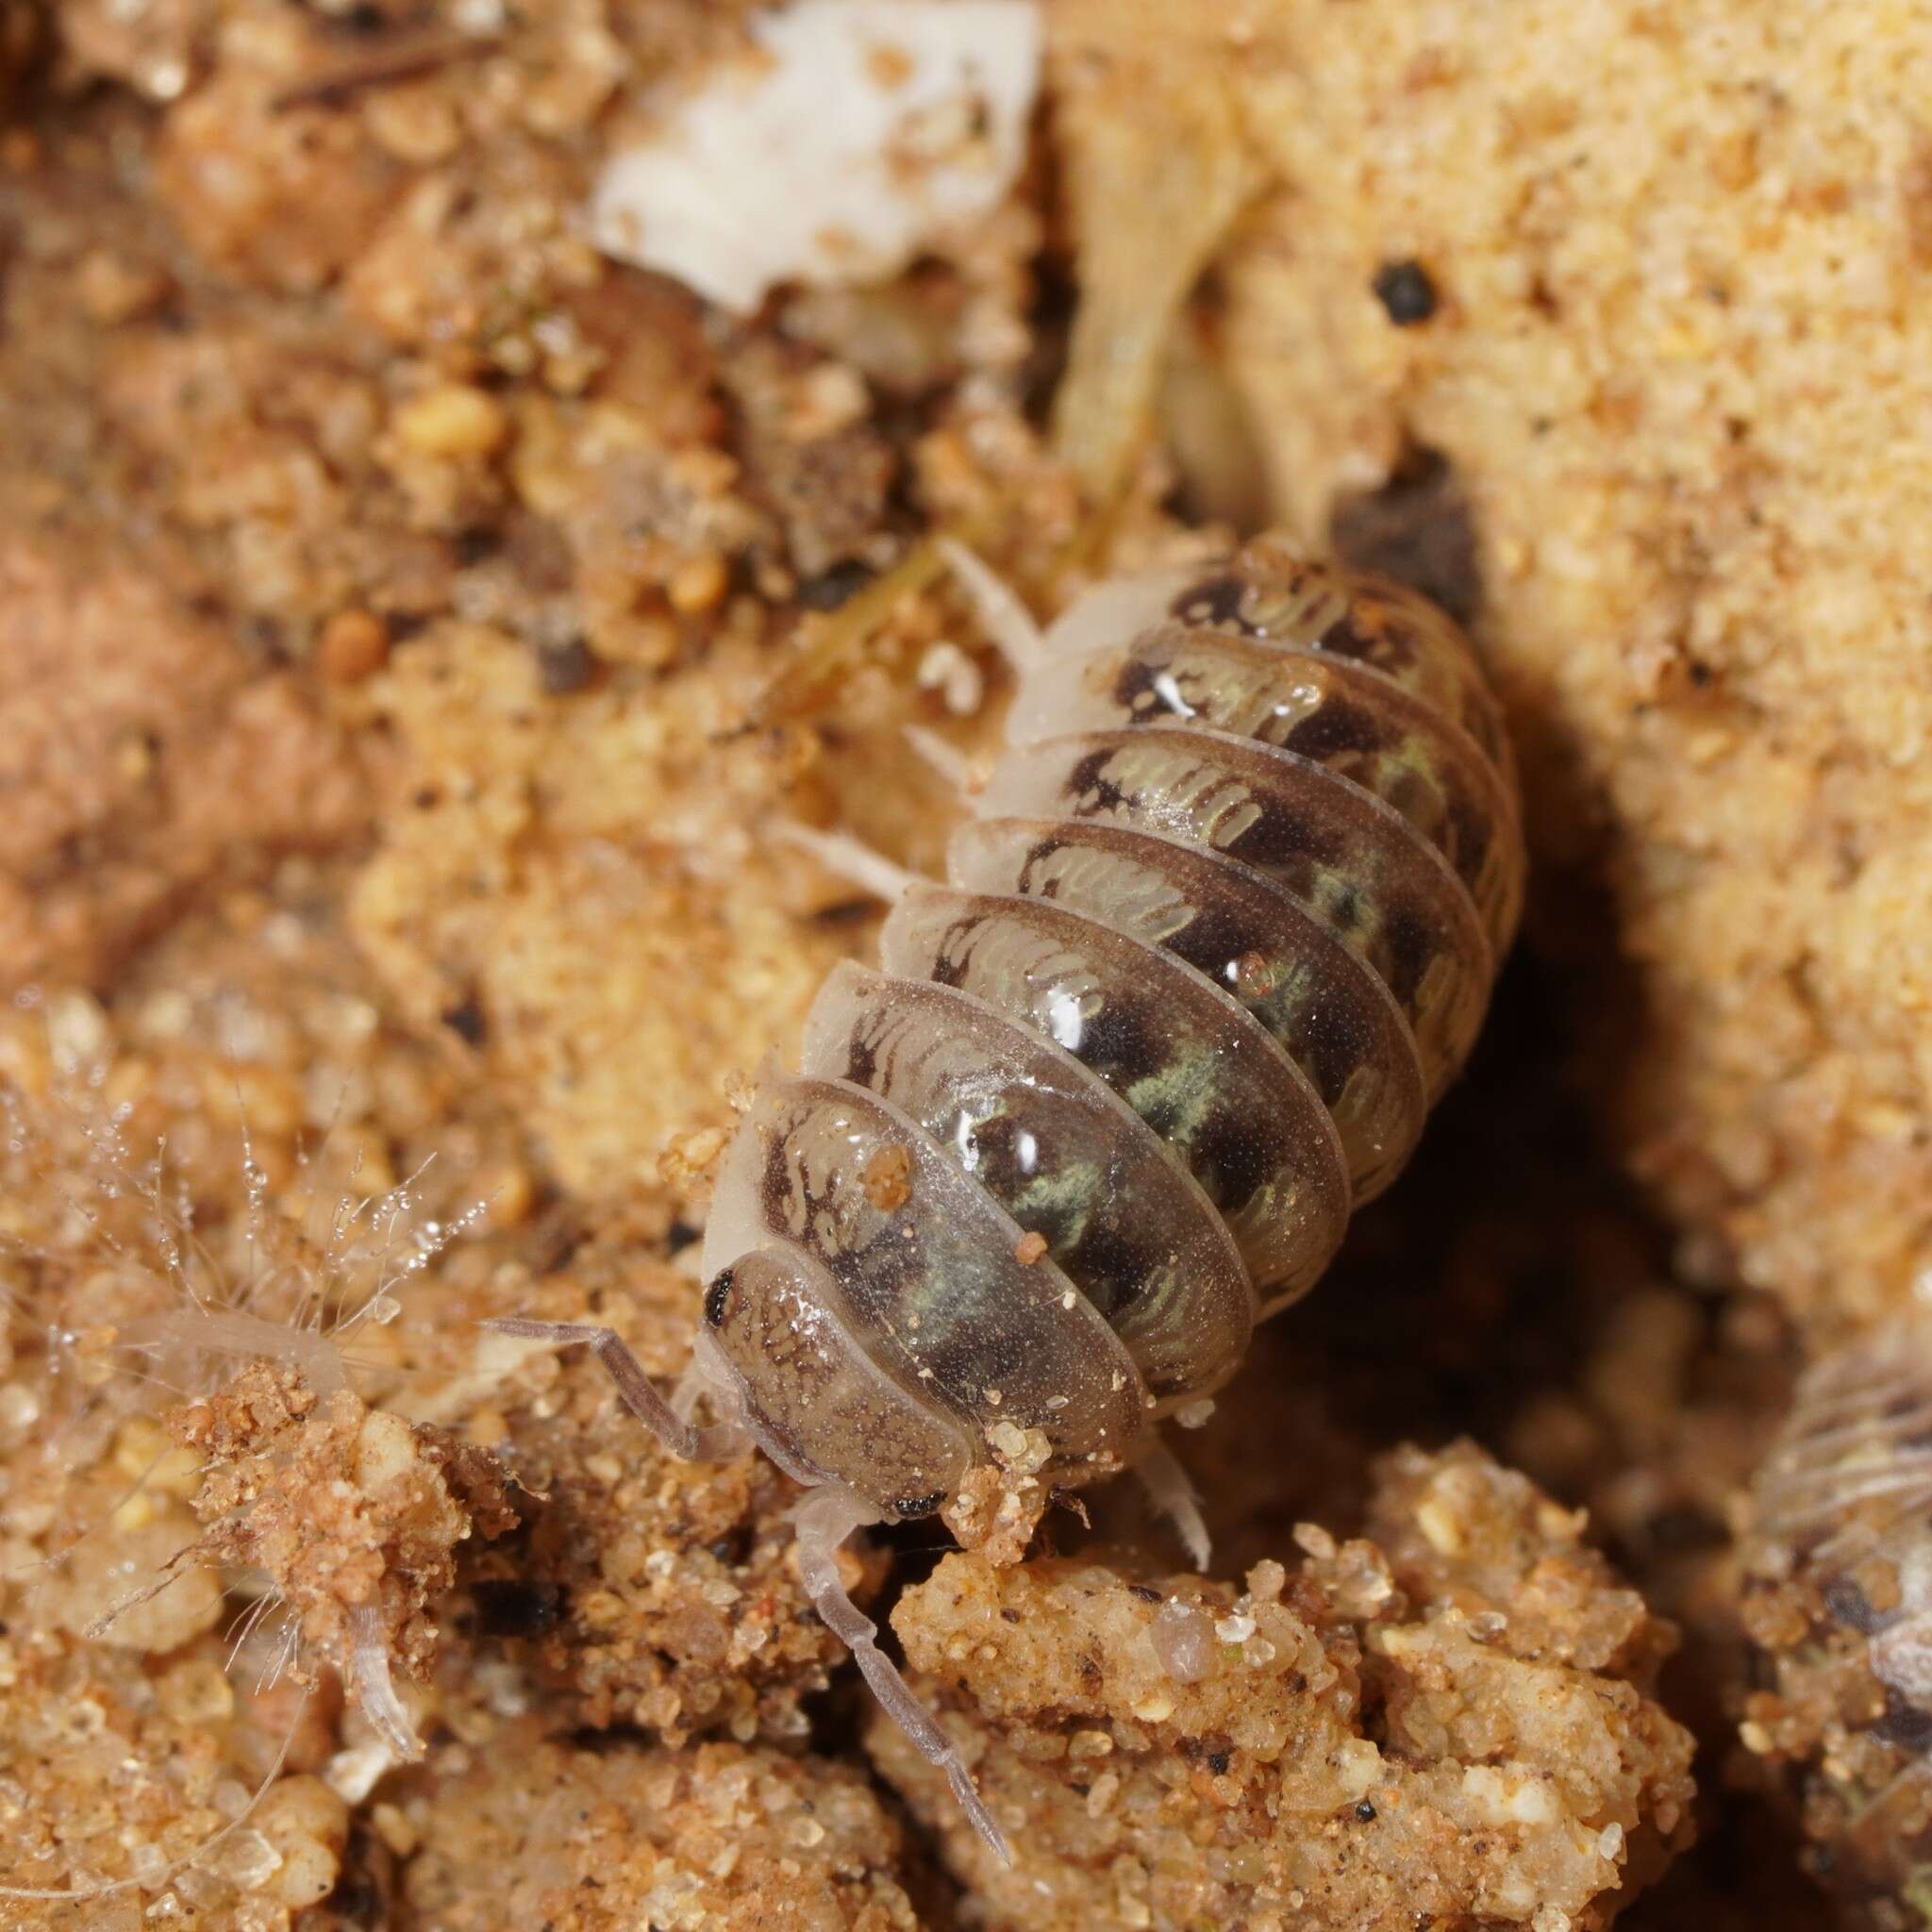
column 818, row 1398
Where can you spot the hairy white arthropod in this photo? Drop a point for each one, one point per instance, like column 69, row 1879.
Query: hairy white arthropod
column 125, row 1308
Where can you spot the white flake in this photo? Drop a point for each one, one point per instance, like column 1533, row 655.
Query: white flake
column 867, row 128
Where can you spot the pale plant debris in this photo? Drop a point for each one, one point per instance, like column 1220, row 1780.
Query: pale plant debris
column 857, row 133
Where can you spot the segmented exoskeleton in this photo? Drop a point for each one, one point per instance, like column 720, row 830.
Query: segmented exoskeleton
column 1838, row 1595
column 1222, row 928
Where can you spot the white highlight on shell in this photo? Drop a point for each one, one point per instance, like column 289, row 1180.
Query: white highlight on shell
column 866, row 129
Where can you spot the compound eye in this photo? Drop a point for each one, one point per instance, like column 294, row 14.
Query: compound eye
column 716, row 1298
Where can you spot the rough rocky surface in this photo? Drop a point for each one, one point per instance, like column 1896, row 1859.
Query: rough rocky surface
column 602, row 1841
column 1444, row 1718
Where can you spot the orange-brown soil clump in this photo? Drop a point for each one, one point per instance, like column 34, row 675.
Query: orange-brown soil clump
column 1447, row 1719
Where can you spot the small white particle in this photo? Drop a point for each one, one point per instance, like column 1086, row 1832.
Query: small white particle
column 749, row 181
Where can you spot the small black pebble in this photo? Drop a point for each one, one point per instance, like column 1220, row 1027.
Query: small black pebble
column 680, row 1235
column 475, row 545
column 1218, row 1762
column 734, row 1549
column 564, row 669
column 466, row 1020
column 1406, row 293
column 510, row 1607
column 1144, row 1591
column 1366, row 1812
column 833, row 587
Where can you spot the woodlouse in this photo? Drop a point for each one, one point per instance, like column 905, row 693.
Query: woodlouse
column 1223, row 925
column 1838, row 1595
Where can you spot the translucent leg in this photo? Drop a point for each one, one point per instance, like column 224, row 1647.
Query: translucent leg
column 688, row 1391
column 1008, row 622
column 685, row 1440
column 947, row 760
column 374, row 1689
column 1171, row 1492
column 827, row 1517
column 851, row 858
